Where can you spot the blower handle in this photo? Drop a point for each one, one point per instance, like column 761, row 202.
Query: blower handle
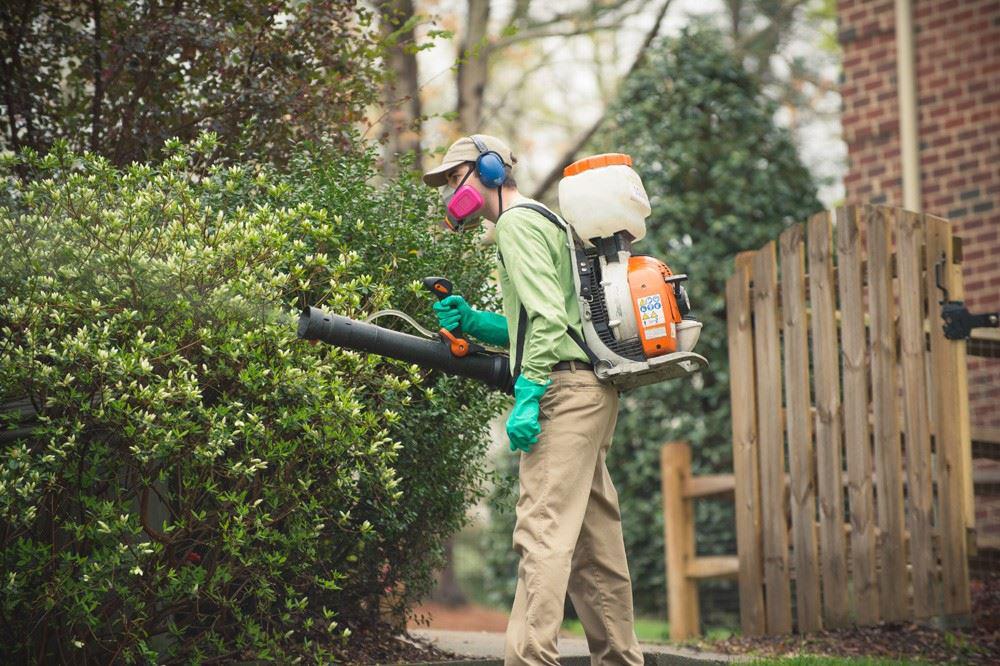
column 439, row 286
column 680, row 294
column 455, row 338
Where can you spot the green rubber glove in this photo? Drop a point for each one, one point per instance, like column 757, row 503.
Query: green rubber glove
column 522, row 424
column 489, row 327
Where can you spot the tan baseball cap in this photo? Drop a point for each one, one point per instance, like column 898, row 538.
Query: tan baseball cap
column 464, row 150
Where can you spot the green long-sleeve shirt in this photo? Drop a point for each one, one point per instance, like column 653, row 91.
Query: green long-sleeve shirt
column 536, row 272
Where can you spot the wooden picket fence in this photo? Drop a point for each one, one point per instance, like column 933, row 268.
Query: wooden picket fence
column 840, row 368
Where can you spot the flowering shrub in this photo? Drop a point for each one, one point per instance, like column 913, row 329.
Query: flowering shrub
column 196, row 483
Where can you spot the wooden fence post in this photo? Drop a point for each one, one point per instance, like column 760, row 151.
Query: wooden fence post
column 800, row 442
column 767, row 352
column 826, row 383
column 888, row 448
column 743, row 399
column 678, row 538
column 916, row 425
column 948, row 394
column 856, row 431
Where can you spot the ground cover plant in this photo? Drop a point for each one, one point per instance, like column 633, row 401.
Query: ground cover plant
column 197, row 484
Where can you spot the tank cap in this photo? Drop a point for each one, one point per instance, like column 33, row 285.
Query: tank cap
column 597, row 161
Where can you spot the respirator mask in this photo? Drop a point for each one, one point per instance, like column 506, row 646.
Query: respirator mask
column 463, row 204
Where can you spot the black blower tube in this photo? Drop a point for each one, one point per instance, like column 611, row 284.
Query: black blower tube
column 492, row 369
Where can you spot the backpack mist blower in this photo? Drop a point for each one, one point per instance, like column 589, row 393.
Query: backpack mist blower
column 635, row 313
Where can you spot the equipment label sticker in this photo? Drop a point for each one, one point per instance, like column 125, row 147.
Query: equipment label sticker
column 651, row 310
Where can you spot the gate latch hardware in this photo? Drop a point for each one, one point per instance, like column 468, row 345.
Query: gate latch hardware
column 958, row 321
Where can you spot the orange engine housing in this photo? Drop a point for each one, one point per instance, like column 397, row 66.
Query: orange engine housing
column 654, row 304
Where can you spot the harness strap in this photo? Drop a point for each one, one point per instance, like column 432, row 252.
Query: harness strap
column 522, row 331
column 582, row 266
column 582, row 344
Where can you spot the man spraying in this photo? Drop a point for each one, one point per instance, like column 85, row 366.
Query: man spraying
column 568, row 530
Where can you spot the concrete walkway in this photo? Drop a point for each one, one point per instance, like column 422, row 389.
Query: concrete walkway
column 486, row 649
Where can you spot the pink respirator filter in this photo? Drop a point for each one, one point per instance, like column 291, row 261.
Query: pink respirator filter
column 465, row 202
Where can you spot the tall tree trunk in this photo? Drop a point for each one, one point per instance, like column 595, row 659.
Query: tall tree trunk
column 401, row 93
column 17, row 105
column 473, row 66
column 95, row 107
column 735, row 8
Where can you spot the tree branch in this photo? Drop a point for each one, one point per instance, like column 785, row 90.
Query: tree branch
column 517, row 13
column 579, row 144
column 544, row 61
column 569, row 24
column 775, row 26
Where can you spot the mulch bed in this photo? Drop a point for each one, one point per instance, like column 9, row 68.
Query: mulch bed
column 382, row 647
column 467, row 617
column 977, row 644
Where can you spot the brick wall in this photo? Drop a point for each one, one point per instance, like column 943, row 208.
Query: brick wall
column 957, row 45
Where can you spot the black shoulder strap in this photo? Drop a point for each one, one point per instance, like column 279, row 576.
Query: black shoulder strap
column 582, row 344
column 582, row 265
column 522, row 330
column 541, row 210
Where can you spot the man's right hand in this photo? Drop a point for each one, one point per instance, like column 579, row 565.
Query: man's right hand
column 489, row 327
column 452, row 311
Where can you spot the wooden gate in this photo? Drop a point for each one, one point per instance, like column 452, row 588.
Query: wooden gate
column 841, row 377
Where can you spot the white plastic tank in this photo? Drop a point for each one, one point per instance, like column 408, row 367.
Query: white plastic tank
column 600, row 195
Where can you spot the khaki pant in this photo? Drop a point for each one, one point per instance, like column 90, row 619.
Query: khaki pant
column 568, row 531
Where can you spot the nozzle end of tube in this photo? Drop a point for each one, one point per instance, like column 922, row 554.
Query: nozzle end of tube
column 304, row 319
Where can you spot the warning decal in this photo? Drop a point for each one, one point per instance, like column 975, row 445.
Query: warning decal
column 651, row 310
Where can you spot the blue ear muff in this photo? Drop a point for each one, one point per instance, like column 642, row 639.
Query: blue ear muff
column 489, row 165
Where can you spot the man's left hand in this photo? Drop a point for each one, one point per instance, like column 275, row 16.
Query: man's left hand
column 523, row 428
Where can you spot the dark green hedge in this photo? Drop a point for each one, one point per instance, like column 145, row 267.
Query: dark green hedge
column 199, row 484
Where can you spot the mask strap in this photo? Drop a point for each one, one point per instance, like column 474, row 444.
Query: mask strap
column 465, row 177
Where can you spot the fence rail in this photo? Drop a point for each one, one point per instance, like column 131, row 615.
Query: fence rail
column 684, row 570
column 840, row 369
